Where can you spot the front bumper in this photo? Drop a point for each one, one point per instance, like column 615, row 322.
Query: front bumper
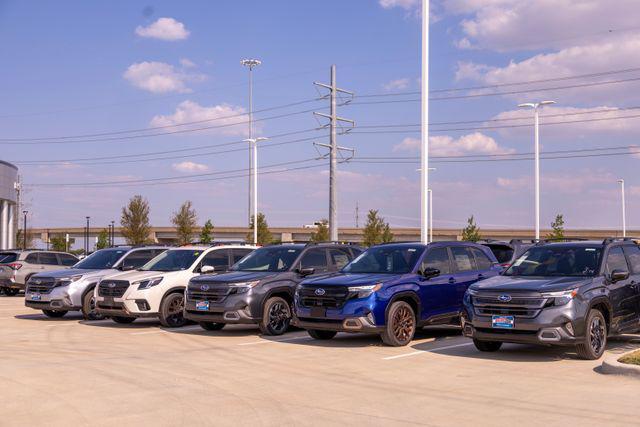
column 57, row 299
column 234, row 309
column 350, row 324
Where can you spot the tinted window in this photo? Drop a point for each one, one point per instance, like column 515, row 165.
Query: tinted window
column 316, row 259
column 463, row 258
column 67, row 260
column 173, row 260
column 503, row 254
column 616, row 260
column 137, row 259
column 102, row 259
column 633, row 254
column 482, row 261
column 238, row 254
column 439, row 259
column 387, row 259
column 47, row 258
column 218, row 259
column 32, row 258
column 560, row 260
column 339, row 258
column 271, row 258
column 7, row 257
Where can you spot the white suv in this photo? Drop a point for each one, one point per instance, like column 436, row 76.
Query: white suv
column 157, row 288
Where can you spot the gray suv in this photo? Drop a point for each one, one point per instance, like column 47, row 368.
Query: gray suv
column 17, row 266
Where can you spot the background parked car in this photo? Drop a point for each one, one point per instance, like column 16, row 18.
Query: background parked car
column 507, row 252
column 16, row 267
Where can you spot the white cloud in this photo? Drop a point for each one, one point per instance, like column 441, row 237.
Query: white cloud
column 190, row 167
column 187, row 63
column 227, row 119
column 398, row 84
column 160, row 77
column 167, row 29
column 580, row 182
column 443, row 145
column 404, row 4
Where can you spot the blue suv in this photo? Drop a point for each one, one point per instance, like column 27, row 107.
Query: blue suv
column 393, row 289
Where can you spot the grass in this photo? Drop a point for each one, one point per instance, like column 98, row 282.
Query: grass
column 632, row 359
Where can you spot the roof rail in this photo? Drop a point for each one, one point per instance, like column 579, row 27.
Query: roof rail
column 620, row 239
column 560, row 239
column 532, row 241
column 333, row 242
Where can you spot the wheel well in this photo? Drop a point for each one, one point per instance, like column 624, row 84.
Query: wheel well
column 89, row 289
column 410, row 299
column 282, row 294
column 604, row 309
column 173, row 291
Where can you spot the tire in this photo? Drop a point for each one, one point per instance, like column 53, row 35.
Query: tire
column 595, row 341
column 321, row 335
column 172, row 311
column 487, row 346
column 123, row 320
column 276, row 316
column 89, row 307
column 212, row 326
column 401, row 325
column 11, row 292
column 54, row 314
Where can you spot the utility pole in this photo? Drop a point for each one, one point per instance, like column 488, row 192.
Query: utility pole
column 86, row 247
column 113, row 233
column 357, row 216
column 251, row 64
column 424, row 152
column 24, row 231
column 333, row 147
column 624, row 208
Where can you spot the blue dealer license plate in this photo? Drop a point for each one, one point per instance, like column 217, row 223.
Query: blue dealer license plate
column 35, row 297
column 502, row 322
column 202, row 305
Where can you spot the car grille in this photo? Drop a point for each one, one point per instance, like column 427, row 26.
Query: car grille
column 112, row 288
column 523, row 306
column 333, row 296
column 210, row 292
column 44, row 285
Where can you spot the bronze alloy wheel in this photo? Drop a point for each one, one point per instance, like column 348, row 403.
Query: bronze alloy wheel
column 404, row 324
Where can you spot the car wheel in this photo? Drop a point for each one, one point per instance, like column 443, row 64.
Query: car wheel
column 89, row 307
column 123, row 320
column 595, row 341
column 321, row 335
column 54, row 314
column 276, row 317
column 10, row 292
column 212, row 326
column 488, row 346
column 172, row 311
column 401, row 325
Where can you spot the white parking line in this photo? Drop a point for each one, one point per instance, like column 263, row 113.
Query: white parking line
column 415, row 353
column 158, row 331
column 161, row 331
column 265, row 341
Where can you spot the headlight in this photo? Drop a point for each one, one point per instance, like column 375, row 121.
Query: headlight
column 366, row 290
column 147, row 283
column 242, row 287
column 561, row 298
column 66, row 281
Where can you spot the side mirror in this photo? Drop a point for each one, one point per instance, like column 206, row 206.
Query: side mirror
column 304, row 272
column 429, row 273
column 126, row 267
column 618, row 275
column 207, row 269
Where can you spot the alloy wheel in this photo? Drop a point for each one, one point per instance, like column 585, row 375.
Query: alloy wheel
column 279, row 316
column 175, row 312
column 597, row 335
column 403, row 324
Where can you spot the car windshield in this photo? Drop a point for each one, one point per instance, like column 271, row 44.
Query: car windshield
column 386, row 260
column 101, row 260
column 173, row 260
column 562, row 260
column 7, row 257
column 274, row 259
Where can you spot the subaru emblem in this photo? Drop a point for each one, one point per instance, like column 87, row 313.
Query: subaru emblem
column 37, row 281
column 111, row 285
column 319, row 292
column 204, row 288
column 504, row 298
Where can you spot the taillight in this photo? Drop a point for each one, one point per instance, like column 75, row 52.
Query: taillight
column 15, row 265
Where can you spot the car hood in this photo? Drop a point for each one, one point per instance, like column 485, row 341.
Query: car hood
column 529, row 284
column 134, row 275
column 352, row 279
column 86, row 274
column 234, row 277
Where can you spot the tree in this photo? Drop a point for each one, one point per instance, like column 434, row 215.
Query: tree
column 58, row 243
column 185, row 221
column 376, row 231
column 471, row 233
column 206, row 235
column 557, row 228
column 264, row 235
column 103, row 239
column 20, row 238
column 322, row 232
column 135, row 221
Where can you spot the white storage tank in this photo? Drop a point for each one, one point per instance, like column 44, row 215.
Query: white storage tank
column 8, row 207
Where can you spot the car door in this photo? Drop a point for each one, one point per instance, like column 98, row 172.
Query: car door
column 465, row 272
column 48, row 261
column 339, row 258
column 633, row 259
column 622, row 294
column 437, row 294
column 484, row 265
column 317, row 259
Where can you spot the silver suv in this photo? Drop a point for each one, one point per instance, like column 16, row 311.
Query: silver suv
column 17, row 266
column 58, row 292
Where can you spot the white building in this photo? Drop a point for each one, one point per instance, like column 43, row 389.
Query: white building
column 8, row 207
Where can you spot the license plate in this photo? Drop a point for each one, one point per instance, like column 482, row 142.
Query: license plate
column 36, row 297
column 202, row 305
column 318, row 312
column 503, row 322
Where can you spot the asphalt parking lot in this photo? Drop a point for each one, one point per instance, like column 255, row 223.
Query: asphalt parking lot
column 59, row 372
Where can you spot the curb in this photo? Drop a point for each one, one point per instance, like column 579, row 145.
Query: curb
column 611, row 366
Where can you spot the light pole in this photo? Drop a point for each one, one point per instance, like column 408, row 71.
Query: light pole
column 253, row 147
column 24, row 231
column 424, row 155
column 536, row 106
column 251, row 64
column 113, row 233
column 86, row 248
column 430, row 211
column 624, row 209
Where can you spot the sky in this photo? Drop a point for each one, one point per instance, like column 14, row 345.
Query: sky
column 100, row 100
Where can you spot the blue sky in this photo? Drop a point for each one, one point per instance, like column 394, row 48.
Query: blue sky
column 80, row 67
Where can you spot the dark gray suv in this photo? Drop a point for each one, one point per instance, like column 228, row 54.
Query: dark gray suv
column 260, row 288
column 569, row 293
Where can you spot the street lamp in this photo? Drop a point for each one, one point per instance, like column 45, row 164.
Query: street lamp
column 624, row 209
column 251, row 64
column 113, row 233
column 253, row 148
column 24, row 231
column 424, row 152
column 536, row 106
column 86, row 247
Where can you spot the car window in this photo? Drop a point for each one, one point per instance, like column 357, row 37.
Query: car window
column 463, row 258
column 238, row 254
column 339, row 258
column 616, row 260
column 316, row 259
column 633, row 255
column 47, row 258
column 67, row 260
column 32, row 258
column 218, row 259
column 482, row 261
column 437, row 258
column 8, row 257
column 503, row 253
column 139, row 258
column 269, row 258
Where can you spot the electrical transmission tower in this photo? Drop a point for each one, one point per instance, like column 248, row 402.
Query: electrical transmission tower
column 334, row 122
